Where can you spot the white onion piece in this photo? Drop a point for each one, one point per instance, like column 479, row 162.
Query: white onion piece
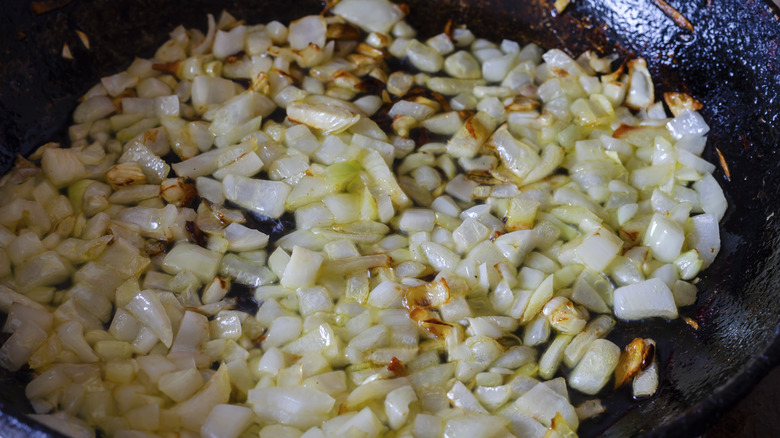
column 475, row 425
column 442, row 43
column 155, row 168
column 264, row 197
column 537, row 331
column 205, row 45
column 541, row 295
column 193, row 332
column 397, row 405
column 147, row 308
column 328, row 119
column 518, row 156
column 462, row 64
column 238, row 110
column 522, row 424
column 646, row 299
column 711, row 195
column 307, row 30
column 695, row 162
column 228, row 43
column 381, row 174
column 551, row 359
column 20, row 313
column 301, row 270
column 413, row 220
column 44, row 269
column 495, row 69
column 283, row 330
column 314, row 299
column 462, row 398
column 246, row 271
column 428, row 426
column 65, row 424
column 226, row 421
column 93, row 108
column 364, row 421
column 703, row 235
column 595, row 368
column 692, row 143
column 207, row 90
column 371, row 16
column 118, row 83
column 688, row 122
column 241, row 238
column 597, row 328
column 664, row 237
column 61, row 166
column 542, row 403
column 18, row 348
column 413, row 109
column 646, row 381
column 640, row 92
column 474, row 132
column 72, row 335
column 599, row 248
column 180, row 385
column 586, row 295
column 295, row 406
column 194, row 411
column 192, row 258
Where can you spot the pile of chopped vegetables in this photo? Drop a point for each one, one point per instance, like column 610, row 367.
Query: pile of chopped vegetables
column 333, row 228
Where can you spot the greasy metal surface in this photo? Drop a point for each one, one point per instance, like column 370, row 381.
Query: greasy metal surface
column 730, row 62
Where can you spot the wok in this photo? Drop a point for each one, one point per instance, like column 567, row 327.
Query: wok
column 729, row 62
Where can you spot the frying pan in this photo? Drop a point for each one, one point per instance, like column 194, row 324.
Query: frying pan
column 729, row 61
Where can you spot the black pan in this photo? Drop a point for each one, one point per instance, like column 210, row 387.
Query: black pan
column 729, row 61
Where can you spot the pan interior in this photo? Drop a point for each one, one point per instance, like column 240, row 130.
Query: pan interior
column 728, row 62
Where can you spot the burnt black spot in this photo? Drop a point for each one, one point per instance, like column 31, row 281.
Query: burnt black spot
column 246, row 83
column 278, row 115
column 171, row 158
column 153, row 247
column 382, row 118
column 195, row 234
column 244, row 297
column 420, row 136
column 371, row 85
column 275, row 228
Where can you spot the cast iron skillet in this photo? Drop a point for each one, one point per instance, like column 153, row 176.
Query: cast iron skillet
column 729, row 62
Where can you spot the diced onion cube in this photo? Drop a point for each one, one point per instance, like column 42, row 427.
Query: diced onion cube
column 646, row 299
column 192, row 258
column 599, row 248
column 664, row 237
column 301, row 270
column 226, row 421
column 263, row 197
column 595, row 368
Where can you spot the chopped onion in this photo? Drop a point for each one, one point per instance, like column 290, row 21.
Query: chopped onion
column 646, row 381
column 595, row 368
column 371, row 16
column 664, row 237
column 329, row 119
column 646, row 299
column 327, row 267
column 542, row 404
column 264, row 197
column 295, row 406
column 301, row 270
